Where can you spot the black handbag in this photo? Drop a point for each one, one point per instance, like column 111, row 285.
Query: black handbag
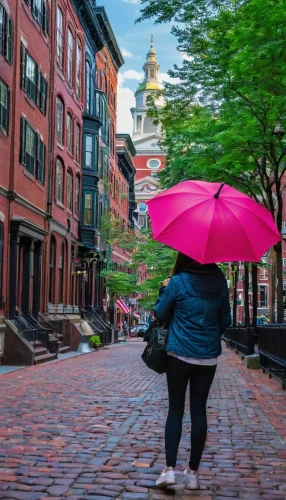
column 154, row 354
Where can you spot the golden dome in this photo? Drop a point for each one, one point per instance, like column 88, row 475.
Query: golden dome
column 149, row 86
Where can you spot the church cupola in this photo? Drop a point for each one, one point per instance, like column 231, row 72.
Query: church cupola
column 142, row 124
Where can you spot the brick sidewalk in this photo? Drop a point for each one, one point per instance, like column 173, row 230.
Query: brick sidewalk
column 92, row 427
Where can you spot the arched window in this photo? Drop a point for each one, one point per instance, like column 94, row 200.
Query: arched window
column 77, row 143
column 59, row 181
column 60, row 120
column 60, row 41
column 87, row 86
column 77, row 196
column 78, row 68
column 70, row 57
column 53, row 249
column 69, row 134
column 61, row 274
column 69, row 191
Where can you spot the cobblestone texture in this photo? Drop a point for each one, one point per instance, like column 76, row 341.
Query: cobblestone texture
column 92, row 427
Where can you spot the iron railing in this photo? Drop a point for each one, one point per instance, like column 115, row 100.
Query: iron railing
column 272, row 351
column 241, row 339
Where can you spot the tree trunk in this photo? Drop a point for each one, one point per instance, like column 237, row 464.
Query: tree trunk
column 246, row 290
column 279, row 289
column 254, row 294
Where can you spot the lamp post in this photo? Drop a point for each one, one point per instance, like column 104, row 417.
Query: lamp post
column 279, row 132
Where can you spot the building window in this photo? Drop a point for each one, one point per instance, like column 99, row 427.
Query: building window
column 142, row 207
column 77, row 144
column 6, row 35
column 69, row 133
column 87, row 219
column 77, row 195
column 263, row 296
column 32, row 150
column 32, row 80
column 31, row 77
column 4, row 106
column 52, row 262
column 59, row 181
column 61, row 274
column 78, row 68
column 70, row 58
column 60, row 53
column 87, row 86
column 153, row 163
column 89, row 150
column 70, row 192
column 40, row 13
column 60, row 121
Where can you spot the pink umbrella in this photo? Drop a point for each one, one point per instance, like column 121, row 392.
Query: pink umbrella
column 212, row 222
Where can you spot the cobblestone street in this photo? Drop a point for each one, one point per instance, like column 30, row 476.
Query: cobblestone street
column 93, row 427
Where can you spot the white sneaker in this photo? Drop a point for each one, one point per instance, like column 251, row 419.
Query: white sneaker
column 192, row 479
column 167, row 477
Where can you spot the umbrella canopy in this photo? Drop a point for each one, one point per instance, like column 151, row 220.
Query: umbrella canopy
column 212, row 222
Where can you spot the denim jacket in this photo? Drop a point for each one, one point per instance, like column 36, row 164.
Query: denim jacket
column 197, row 305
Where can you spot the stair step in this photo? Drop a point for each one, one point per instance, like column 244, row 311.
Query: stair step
column 40, row 350
column 45, row 357
column 64, row 349
column 36, row 344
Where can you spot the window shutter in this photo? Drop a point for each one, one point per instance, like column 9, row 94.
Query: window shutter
column 35, row 89
column 22, row 140
column 5, row 29
column 23, row 67
column 7, row 112
column 43, row 162
column 1, row 28
column 10, row 41
column 43, row 94
column 40, row 161
column 45, row 18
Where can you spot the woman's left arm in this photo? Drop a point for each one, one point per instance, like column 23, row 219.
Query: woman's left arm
column 166, row 301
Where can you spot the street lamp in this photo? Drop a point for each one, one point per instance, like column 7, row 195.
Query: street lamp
column 279, row 131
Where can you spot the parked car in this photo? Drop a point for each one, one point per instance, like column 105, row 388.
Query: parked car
column 141, row 328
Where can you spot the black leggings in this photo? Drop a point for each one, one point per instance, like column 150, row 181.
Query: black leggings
column 179, row 373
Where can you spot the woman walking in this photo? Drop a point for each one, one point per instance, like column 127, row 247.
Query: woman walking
column 196, row 302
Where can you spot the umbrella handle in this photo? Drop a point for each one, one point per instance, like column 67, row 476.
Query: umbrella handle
column 220, row 188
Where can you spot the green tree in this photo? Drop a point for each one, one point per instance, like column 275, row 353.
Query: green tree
column 159, row 260
column 222, row 122
column 120, row 283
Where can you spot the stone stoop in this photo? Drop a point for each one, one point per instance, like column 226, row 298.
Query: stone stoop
column 42, row 354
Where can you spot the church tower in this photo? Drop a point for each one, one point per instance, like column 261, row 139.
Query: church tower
column 149, row 158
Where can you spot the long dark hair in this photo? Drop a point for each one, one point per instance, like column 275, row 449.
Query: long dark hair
column 184, row 262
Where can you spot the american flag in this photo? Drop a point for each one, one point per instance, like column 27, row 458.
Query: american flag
column 121, row 304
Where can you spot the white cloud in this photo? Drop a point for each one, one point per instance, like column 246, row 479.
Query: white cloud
column 125, row 101
column 132, row 74
column 185, row 56
column 125, row 53
column 164, row 77
column 131, row 1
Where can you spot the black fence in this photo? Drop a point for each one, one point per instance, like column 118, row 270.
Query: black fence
column 272, row 351
column 241, row 339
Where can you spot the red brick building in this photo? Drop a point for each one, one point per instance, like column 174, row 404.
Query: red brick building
column 67, row 102
column 25, row 71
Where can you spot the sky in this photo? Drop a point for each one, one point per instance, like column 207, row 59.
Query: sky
column 134, row 42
